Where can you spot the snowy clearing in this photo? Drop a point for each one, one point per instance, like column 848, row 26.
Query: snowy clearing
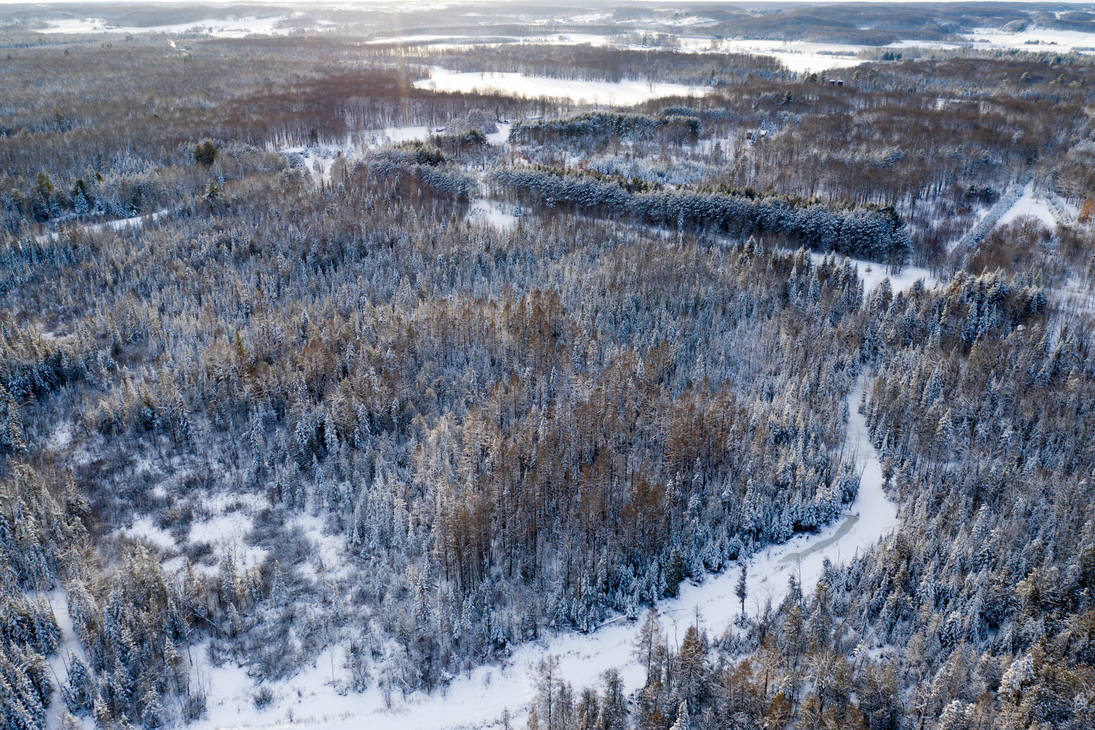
column 501, row 136
column 143, row 529
column 1031, row 205
column 940, row 45
column 217, row 27
column 315, row 698
column 123, row 223
column 621, row 93
column 320, row 159
column 493, row 213
column 118, row 224
column 1075, row 296
column 226, row 530
column 61, row 437
column 987, row 221
column 1035, row 39
column 796, row 56
column 328, row 558
column 872, row 273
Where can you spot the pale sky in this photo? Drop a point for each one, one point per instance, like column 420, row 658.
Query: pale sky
column 662, row 3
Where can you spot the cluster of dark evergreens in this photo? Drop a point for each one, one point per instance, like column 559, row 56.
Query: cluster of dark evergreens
column 601, row 127
column 861, row 232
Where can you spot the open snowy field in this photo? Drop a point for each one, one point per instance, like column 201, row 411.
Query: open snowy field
column 1035, row 39
column 620, row 93
column 216, row 27
column 1030, row 205
column 797, row 56
column 872, row 273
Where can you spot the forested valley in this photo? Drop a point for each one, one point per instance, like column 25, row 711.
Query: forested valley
column 318, row 382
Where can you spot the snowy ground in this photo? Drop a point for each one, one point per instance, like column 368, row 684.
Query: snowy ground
column 118, row 224
column 226, row 531
column 501, row 135
column 1075, row 296
column 1030, row 204
column 493, row 213
column 143, row 529
column 59, row 661
column 988, row 221
column 618, row 93
column 873, row 273
column 316, row 698
column 61, row 437
column 1034, row 39
column 320, row 159
column 797, row 56
column 217, row 27
column 941, row 45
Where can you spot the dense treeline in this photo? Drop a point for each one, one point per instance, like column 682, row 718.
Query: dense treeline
column 916, row 135
column 562, row 456
column 601, row 127
column 994, row 489
column 982, row 415
column 869, row 232
column 417, row 169
column 612, row 64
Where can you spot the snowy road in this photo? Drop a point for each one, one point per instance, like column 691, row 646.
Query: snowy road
column 116, row 224
column 479, row 699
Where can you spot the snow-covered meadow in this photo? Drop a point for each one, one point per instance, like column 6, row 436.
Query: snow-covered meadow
column 1034, row 39
column 1030, row 205
column 608, row 93
column 217, row 27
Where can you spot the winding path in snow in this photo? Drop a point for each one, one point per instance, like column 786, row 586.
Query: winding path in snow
column 479, row 699
column 114, row 224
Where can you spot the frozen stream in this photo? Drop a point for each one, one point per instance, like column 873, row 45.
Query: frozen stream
column 478, row 699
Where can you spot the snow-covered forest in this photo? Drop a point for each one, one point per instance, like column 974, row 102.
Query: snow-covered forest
column 341, row 388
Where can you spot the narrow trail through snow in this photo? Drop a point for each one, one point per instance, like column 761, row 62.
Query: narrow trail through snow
column 479, row 699
column 845, row 527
